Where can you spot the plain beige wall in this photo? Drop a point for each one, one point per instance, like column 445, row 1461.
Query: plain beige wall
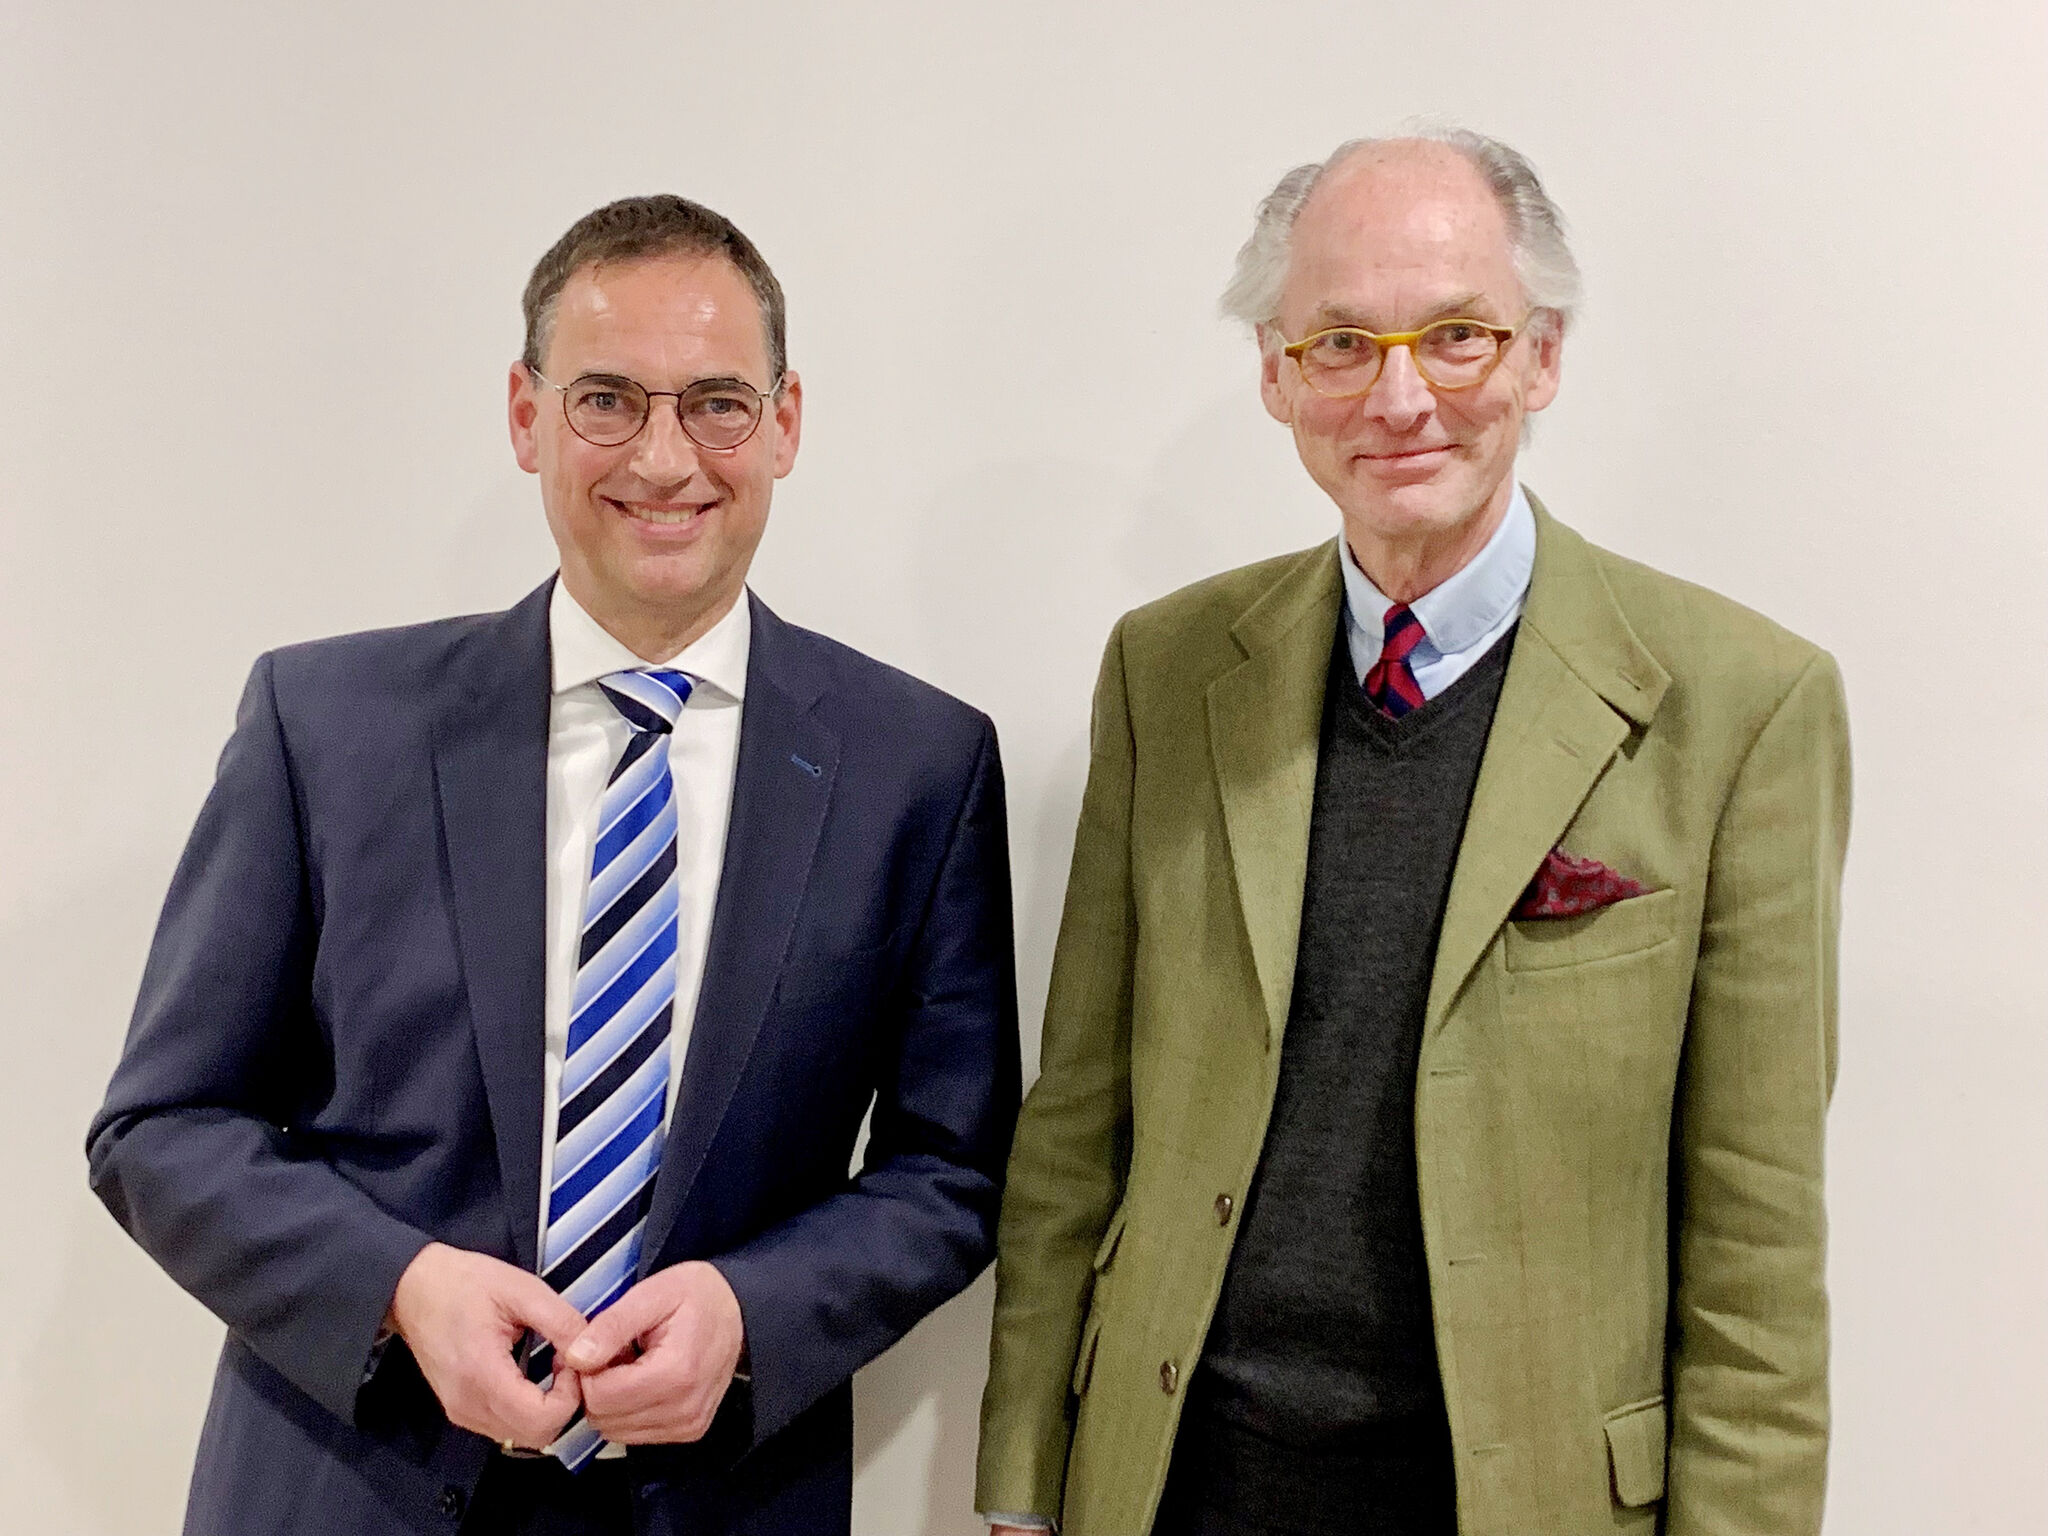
column 259, row 267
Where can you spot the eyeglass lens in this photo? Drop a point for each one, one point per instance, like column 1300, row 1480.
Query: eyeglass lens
column 1451, row 354
column 608, row 411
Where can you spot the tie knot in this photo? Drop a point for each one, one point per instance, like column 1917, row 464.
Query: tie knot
column 1403, row 633
column 650, row 698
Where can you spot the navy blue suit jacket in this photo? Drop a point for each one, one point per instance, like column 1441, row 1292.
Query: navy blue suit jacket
column 336, row 1058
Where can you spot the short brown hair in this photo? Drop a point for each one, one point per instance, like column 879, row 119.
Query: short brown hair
column 640, row 228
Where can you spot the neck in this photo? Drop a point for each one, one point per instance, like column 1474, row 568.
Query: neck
column 1406, row 569
column 655, row 635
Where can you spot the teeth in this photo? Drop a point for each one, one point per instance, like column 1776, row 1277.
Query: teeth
column 650, row 515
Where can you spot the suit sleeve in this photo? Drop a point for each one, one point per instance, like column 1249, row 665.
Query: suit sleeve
column 1072, row 1154
column 1749, row 1427
column 193, row 1150
column 828, row 1290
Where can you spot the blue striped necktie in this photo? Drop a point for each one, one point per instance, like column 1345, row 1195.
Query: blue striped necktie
column 614, row 1088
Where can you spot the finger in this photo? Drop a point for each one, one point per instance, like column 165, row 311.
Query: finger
column 564, row 1393
column 515, row 1406
column 678, row 1424
column 533, row 1418
column 633, row 1432
column 625, row 1388
column 535, row 1304
column 559, row 1404
column 673, row 1422
column 657, row 1386
column 608, row 1334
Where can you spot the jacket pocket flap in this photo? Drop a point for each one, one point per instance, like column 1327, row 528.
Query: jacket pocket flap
column 1635, row 1448
column 1106, row 1249
column 1639, row 923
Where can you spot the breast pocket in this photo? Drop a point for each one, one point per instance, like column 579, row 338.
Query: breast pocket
column 1595, row 1009
column 1625, row 928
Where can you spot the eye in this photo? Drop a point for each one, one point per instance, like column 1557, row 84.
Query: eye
column 720, row 415
column 1343, row 349
column 1459, row 342
column 603, row 398
column 721, row 406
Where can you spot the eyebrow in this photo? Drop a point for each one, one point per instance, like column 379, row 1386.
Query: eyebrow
column 607, row 376
column 1466, row 305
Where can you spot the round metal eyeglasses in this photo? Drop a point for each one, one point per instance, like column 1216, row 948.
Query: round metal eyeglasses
column 608, row 409
column 1344, row 361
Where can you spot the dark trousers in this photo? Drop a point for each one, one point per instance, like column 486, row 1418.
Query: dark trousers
column 538, row 1496
column 1394, row 1480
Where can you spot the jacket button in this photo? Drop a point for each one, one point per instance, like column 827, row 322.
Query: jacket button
column 451, row 1502
column 1224, row 1206
column 1169, row 1376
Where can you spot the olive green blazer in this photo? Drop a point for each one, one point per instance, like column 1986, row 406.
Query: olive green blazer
column 1618, row 1117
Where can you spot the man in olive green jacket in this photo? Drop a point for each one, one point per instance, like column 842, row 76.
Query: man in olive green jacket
column 1613, row 1085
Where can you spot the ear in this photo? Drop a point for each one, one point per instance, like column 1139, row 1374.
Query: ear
column 522, row 413
column 789, row 423
column 1272, row 360
column 1547, row 370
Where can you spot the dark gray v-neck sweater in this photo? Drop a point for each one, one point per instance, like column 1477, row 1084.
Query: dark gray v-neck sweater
column 1323, row 1329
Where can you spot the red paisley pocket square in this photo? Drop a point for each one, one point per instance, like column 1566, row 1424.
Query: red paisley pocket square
column 1569, row 887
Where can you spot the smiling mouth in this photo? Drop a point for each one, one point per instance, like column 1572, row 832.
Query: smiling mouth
column 660, row 517
column 1405, row 455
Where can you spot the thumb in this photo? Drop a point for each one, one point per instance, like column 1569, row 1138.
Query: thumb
column 609, row 1334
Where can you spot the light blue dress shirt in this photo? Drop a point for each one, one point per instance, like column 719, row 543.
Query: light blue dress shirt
column 1461, row 618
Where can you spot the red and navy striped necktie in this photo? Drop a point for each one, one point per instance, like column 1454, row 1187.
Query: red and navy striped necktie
column 1390, row 682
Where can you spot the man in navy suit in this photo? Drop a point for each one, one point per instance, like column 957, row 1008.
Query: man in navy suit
column 354, row 1112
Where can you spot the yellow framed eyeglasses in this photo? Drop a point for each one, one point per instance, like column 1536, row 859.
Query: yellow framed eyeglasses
column 1344, row 361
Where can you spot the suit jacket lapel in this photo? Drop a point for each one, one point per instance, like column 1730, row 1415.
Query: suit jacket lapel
column 1579, row 682
column 490, row 771
column 778, row 811
column 1265, row 723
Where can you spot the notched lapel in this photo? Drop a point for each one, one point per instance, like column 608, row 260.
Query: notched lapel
column 1579, row 682
column 1265, row 722
column 1552, row 738
column 490, row 772
column 782, row 787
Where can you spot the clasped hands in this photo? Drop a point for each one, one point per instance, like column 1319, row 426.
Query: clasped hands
column 651, row 1368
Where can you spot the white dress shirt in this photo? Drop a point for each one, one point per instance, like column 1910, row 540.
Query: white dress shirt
column 1461, row 618
column 586, row 736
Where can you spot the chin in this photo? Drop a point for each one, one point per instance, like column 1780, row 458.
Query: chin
column 1401, row 520
column 675, row 596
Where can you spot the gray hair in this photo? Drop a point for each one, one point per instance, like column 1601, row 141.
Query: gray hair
column 1536, row 238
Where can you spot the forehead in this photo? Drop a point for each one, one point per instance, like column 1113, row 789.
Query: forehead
column 661, row 320
column 1395, row 234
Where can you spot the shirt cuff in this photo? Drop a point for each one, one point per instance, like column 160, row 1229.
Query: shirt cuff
column 1022, row 1522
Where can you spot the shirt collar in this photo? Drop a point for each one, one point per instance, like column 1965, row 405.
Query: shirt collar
column 583, row 650
column 1464, row 610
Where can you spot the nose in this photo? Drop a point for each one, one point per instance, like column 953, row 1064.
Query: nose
column 1400, row 396
column 663, row 453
